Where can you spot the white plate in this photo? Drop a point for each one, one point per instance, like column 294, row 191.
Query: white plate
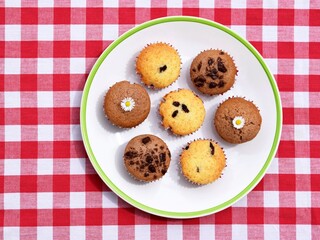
column 172, row 196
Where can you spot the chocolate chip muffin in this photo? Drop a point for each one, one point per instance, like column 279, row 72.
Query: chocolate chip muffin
column 147, row 157
column 158, row 65
column 213, row 72
column 202, row 161
column 182, row 112
column 126, row 105
column 237, row 120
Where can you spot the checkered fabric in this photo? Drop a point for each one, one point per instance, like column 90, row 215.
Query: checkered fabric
column 48, row 187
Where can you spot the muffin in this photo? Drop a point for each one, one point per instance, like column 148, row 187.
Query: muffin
column 147, row 157
column 202, row 161
column 237, row 120
column 126, row 105
column 213, row 72
column 182, row 112
column 158, row 65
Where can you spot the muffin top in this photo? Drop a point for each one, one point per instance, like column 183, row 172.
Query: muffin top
column 237, row 120
column 158, row 65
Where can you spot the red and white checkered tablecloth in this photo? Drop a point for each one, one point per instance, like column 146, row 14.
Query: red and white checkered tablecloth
column 48, row 187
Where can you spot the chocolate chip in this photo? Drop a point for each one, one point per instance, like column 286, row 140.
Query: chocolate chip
column 146, row 174
column 221, row 84
column 194, row 70
column 199, row 66
column 149, row 159
column 152, row 168
column 210, row 61
column 175, row 113
column 161, row 147
column 212, row 148
column 163, row 68
column 146, row 140
column 221, row 77
column 163, row 171
column 199, row 79
column 187, row 147
column 221, row 53
column 176, row 104
column 185, row 108
column 162, row 157
column 169, row 153
column 198, row 169
column 212, row 85
column 155, row 149
column 221, row 66
column 131, row 162
column 130, row 154
column 212, row 73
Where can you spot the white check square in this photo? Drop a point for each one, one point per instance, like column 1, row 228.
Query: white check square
column 271, row 199
column 45, row 132
column 301, row 34
column 45, row 66
column 302, row 166
column 12, row 65
column 78, row 32
column 110, row 31
column 174, row 3
column 111, row 3
column 77, row 65
column 109, row 200
column 143, row 3
column 270, row 33
column 303, row 232
column 79, row 3
column 301, row 4
column 301, row 132
column 11, row 201
column 11, row 233
column 238, row 4
column 301, row 66
column 272, row 4
column 45, row 233
column 12, row 133
column 301, row 99
column 240, row 30
column 303, row 199
column 12, row 167
column 77, row 233
column 45, row 166
column 45, row 32
column 239, row 231
column 12, row 32
column 46, row 3
column 77, row 200
column 12, row 100
column 75, row 98
column 110, row 232
column 206, row 4
column 44, row 200
column 77, row 166
column 45, row 99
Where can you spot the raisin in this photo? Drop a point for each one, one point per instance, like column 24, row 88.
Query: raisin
column 198, row 169
column 212, row 148
column 210, row 61
column 199, row 66
column 187, row 147
column 212, row 85
column 194, row 70
column 131, row 154
column 176, row 104
column 152, row 168
column 162, row 157
column 163, row 68
column 163, row 171
column 221, row 84
column 221, row 66
column 175, row 113
column 146, row 174
column 146, row 140
column 149, row 159
column 185, row 108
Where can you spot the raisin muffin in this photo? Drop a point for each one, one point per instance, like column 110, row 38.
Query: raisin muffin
column 126, row 105
column 182, row 112
column 147, row 157
column 202, row 161
column 213, row 72
column 158, row 65
column 237, row 120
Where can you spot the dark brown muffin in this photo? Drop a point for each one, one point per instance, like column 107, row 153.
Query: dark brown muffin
column 213, row 72
column 147, row 157
column 237, row 120
column 126, row 105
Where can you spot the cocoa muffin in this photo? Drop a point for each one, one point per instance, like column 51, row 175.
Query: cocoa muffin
column 158, row 65
column 147, row 157
column 182, row 112
column 202, row 161
column 237, row 120
column 213, row 72
column 126, row 105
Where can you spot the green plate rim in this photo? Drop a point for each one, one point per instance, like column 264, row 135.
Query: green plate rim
column 118, row 191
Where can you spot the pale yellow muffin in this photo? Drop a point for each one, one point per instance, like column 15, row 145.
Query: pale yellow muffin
column 202, row 161
column 182, row 112
column 158, row 65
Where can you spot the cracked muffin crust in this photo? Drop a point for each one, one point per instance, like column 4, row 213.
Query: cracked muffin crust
column 237, row 120
column 158, row 65
column 202, row 161
column 213, row 72
column 182, row 112
column 147, row 157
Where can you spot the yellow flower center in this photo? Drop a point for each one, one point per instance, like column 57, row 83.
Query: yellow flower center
column 127, row 103
column 238, row 121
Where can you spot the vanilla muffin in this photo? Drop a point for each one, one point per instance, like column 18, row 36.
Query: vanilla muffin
column 202, row 161
column 158, row 65
column 182, row 112
column 237, row 120
column 213, row 72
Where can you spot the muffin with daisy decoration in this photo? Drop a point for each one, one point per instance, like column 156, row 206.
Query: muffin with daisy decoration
column 237, row 120
column 126, row 105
